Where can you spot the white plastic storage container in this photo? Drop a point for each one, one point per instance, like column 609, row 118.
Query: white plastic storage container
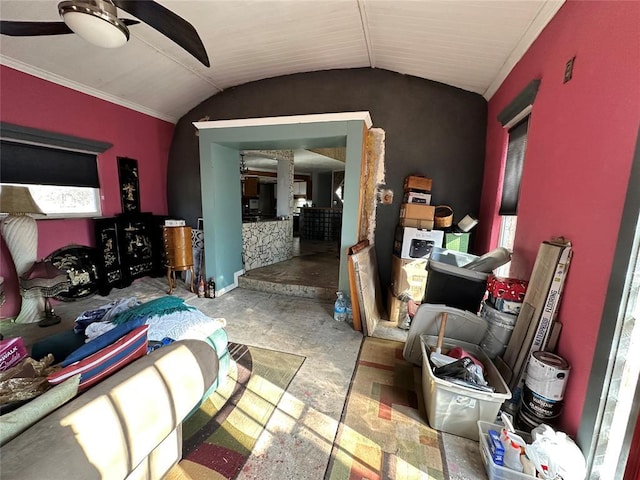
column 462, row 325
column 498, row 472
column 454, row 408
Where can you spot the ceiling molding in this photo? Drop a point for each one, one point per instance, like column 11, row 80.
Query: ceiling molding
column 365, row 30
column 288, row 120
column 79, row 87
column 546, row 13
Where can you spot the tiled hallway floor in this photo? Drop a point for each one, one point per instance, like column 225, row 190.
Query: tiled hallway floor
column 312, row 272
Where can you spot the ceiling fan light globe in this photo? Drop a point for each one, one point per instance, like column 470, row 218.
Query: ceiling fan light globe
column 95, row 21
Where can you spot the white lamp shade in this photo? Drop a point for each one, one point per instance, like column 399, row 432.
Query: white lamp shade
column 95, row 30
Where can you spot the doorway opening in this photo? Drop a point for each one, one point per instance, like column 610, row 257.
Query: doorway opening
column 220, row 146
column 310, row 267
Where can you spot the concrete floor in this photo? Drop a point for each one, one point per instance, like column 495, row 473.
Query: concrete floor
column 311, row 273
column 297, row 441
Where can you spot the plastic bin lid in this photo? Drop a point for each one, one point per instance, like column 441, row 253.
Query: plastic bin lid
column 461, row 325
column 436, row 265
column 452, row 257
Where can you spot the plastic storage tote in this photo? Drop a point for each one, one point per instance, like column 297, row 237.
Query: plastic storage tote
column 450, row 284
column 461, row 325
column 454, row 408
column 498, row 472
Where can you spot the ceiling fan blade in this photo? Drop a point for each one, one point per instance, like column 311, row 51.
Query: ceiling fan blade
column 32, row 29
column 35, row 29
column 168, row 23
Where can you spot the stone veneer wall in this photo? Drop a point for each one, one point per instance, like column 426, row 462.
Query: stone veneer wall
column 264, row 243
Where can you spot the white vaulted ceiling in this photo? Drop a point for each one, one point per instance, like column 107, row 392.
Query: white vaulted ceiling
column 470, row 44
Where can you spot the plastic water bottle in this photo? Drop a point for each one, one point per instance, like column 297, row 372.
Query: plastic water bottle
column 340, row 308
column 349, row 311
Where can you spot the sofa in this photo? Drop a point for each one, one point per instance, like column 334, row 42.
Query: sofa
column 128, row 426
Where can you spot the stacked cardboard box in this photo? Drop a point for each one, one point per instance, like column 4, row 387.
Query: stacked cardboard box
column 416, row 210
column 413, row 243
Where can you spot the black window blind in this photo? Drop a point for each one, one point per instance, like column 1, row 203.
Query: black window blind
column 513, row 169
column 39, row 165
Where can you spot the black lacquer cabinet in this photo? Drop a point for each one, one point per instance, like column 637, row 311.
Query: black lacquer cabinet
column 130, row 247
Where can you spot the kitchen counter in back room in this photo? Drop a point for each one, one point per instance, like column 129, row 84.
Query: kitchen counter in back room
column 266, row 241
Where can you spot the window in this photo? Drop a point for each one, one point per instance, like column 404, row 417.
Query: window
column 65, row 202
column 60, row 170
column 516, row 148
column 515, row 117
column 64, row 183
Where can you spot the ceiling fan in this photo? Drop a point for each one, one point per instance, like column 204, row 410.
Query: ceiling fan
column 97, row 22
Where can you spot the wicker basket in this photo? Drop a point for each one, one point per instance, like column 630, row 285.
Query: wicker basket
column 443, row 216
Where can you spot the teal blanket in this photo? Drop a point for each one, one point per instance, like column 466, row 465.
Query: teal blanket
column 159, row 306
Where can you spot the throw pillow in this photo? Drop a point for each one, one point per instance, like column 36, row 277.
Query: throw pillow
column 103, row 363
column 102, row 341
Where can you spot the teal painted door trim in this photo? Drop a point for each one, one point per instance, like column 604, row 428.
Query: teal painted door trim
column 221, row 213
column 220, row 179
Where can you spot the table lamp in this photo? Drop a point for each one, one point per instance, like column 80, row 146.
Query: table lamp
column 20, row 233
column 46, row 280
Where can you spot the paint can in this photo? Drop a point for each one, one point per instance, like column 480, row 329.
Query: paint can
column 526, row 421
column 544, row 385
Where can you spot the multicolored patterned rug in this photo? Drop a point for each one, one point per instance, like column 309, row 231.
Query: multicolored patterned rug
column 383, row 433
column 219, row 437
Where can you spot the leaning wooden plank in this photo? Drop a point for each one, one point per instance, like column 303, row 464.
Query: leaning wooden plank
column 538, row 332
column 516, row 341
column 355, row 260
column 367, row 272
column 553, row 337
column 537, row 291
column 355, row 302
column 353, row 285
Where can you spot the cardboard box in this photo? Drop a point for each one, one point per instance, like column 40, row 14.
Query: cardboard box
column 397, row 308
column 417, row 211
column 411, row 243
column 457, row 241
column 417, row 197
column 415, row 182
column 12, row 352
column 417, row 223
column 409, row 276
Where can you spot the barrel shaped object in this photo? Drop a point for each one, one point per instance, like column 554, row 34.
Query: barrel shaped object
column 177, row 244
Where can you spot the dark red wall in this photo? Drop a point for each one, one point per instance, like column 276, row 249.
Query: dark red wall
column 580, row 148
column 32, row 102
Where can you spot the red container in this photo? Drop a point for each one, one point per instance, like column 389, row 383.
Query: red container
column 511, row 289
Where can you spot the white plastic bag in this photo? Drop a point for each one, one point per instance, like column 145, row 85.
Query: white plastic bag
column 555, row 455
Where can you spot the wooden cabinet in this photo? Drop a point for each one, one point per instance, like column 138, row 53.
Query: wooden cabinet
column 300, row 188
column 177, row 246
column 250, row 187
column 179, row 253
column 129, row 247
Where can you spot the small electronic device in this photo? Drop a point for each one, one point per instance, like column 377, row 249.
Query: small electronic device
column 420, row 248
